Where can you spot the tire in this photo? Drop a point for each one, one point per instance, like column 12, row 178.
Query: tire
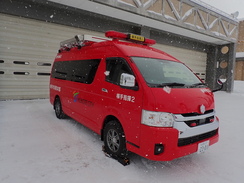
column 58, row 109
column 114, row 140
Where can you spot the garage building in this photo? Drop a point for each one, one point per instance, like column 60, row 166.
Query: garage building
column 30, row 32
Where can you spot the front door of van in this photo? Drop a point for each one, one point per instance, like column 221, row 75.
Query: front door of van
column 123, row 103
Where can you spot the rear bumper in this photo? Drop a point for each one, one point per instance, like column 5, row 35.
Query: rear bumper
column 168, row 138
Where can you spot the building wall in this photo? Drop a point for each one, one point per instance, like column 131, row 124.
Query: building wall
column 240, row 43
column 239, row 68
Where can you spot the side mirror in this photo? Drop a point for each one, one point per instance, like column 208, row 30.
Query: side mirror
column 128, row 81
column 221, row 82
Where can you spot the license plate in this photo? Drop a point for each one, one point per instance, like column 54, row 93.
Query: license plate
column 202, row 147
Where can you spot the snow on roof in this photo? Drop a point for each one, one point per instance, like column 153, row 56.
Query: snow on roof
column 205, row 5
column 239, row 54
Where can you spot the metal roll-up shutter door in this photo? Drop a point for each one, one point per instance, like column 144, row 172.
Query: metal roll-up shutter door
column 27, row 50
column 196, row 60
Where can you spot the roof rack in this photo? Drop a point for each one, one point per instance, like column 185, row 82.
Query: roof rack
column 86, row 40
column 80, row 40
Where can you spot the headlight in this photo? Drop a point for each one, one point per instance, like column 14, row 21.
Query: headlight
column 157, row 119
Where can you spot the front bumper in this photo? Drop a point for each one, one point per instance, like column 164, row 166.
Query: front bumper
column 169, row 144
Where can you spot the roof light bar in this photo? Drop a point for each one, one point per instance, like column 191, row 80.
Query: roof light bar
column 129, row 37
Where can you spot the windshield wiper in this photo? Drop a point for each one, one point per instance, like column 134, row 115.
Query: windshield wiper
column 168, row 84
column 173, row 84
column 198, row 84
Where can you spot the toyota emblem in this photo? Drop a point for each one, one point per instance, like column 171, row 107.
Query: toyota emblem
column 202, row 109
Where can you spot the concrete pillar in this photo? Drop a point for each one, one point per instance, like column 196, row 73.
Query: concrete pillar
column 220, row 65
column 231, row 67
column 211, row 68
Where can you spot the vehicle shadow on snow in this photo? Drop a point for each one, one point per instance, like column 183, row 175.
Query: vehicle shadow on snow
column 81, row 129
column 93, row 140
column 152, row 165
column 182, row 169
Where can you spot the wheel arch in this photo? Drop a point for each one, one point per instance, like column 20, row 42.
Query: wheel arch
column 108, row 119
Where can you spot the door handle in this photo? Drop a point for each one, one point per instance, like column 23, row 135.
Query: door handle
column 104, row 90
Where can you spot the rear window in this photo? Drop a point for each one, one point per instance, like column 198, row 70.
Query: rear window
column 82, row 71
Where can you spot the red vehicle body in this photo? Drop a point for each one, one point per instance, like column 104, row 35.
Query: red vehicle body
column 116, row 88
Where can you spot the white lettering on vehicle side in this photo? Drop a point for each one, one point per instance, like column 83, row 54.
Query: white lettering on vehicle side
column 56, row 88
column 124, row 97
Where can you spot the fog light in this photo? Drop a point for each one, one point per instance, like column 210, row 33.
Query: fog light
column 158, row 149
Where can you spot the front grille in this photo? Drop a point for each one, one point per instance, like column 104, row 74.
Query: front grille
column 191, row 140
column 198, row 122
column 196, row 114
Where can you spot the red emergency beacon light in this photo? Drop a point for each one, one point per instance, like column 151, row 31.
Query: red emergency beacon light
column 129, row 37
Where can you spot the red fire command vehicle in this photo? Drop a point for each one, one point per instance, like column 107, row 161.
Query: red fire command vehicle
column 139, row 99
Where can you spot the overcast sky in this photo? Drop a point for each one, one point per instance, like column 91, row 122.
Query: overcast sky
column 228, row 6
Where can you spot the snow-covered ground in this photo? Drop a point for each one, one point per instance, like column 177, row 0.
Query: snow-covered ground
column 36, row 147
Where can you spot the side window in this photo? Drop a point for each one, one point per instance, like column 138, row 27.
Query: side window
column 82, row 71
column 114, row 68
column 59, row 71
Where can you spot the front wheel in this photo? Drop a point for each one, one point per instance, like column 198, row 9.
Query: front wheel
column 114, row 139
column 58, row 109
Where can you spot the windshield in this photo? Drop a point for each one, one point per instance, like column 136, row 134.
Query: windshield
column 158, row 72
